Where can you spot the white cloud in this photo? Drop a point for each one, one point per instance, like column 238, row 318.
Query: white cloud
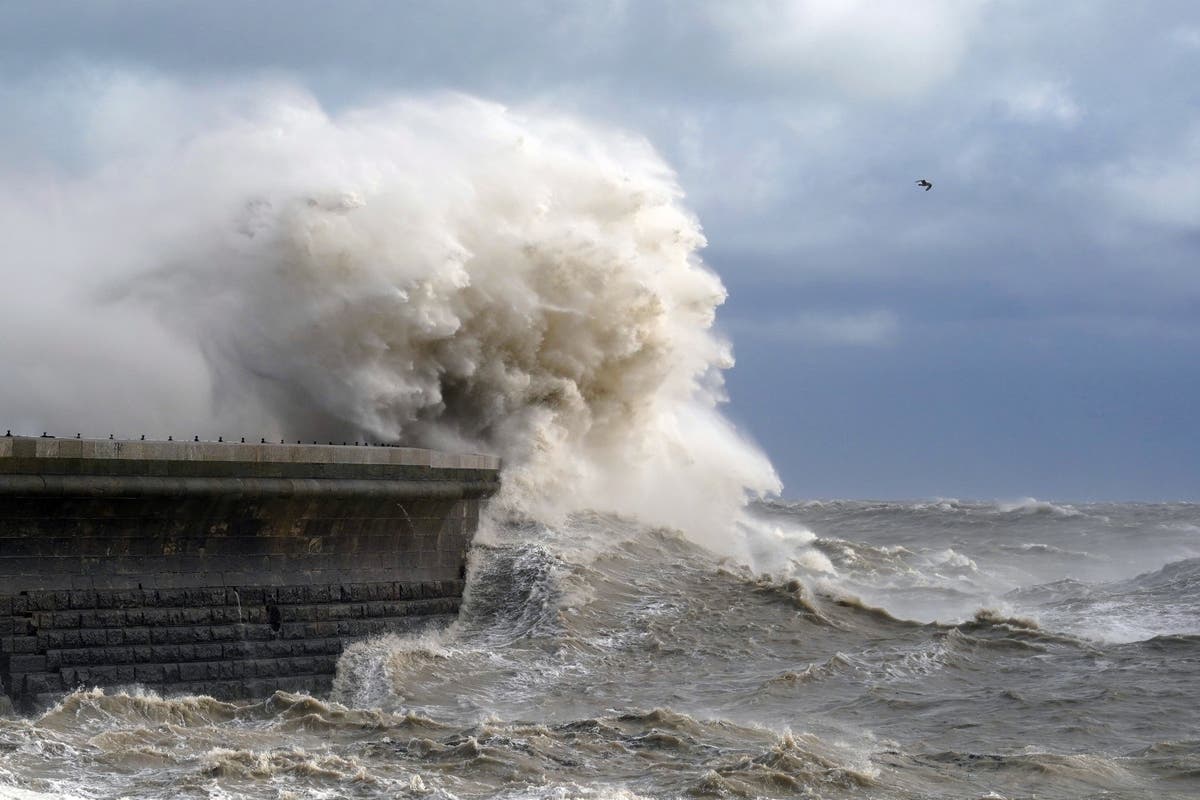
column 862, row 329
column 1162, row 188
column 868, row 47
column 1042, row 101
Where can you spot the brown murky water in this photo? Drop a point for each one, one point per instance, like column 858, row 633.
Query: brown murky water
column 940, row 650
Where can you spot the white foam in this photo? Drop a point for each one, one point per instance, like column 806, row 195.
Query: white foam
column 783, row 551
column 953, row 559
column 58, row 793
column 1031, row 505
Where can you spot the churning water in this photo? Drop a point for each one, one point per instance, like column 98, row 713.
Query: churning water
column 941, row 649
column 447, row 272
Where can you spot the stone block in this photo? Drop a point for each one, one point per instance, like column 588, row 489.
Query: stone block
column 75, row 619
column 26, row 663
column 291, row 594
column 231, row 650
column 212, row 651
column 162, row 653
column 64, row 639
column 45, row 600
column 193, row 671
column 197, row 616
column 56, row 640
column 92, row 637
column 208, row 596
column 21, row 645
column 319, row 593
column 273, row 649
column 137, row 635
column 251, row 595
column 42, row 683
column 109, row 618
column 164, row 597
column 116, row 655
column 177, row 616
column 149, row 673
column 324, row 629
column 225, row 615
column 153, row 617
column 201, row 633
column 254, row 615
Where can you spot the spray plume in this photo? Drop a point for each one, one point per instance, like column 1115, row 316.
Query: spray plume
column 441, row 272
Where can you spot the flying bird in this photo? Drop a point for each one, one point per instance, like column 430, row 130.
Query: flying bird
column 925, row 183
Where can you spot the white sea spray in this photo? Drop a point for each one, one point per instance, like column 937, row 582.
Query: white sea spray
column 438, row 271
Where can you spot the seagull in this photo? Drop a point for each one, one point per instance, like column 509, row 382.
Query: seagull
column 925, row 183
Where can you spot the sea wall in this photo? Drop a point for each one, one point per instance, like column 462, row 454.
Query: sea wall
column 220, row 568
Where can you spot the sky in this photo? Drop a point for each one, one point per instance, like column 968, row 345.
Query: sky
column 1030, row 327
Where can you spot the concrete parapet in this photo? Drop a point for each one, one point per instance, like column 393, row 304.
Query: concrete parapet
column 49, row 448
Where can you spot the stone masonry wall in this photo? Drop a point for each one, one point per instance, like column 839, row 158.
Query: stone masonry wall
column 229, row 570
column 225, row 641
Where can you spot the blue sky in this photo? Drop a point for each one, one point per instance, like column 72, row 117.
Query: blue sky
column 1029, row 327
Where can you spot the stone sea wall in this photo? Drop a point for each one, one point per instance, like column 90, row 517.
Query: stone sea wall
column 224, row 569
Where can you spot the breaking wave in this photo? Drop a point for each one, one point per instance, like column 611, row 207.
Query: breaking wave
column 438, row 271
column 1030, row 505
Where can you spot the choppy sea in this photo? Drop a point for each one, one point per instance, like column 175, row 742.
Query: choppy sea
column 940, row 649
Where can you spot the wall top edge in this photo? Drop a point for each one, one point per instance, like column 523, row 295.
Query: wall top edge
column 135, row 450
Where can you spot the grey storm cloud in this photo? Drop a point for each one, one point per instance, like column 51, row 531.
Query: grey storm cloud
column 1061, row 237
column 757, row 46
